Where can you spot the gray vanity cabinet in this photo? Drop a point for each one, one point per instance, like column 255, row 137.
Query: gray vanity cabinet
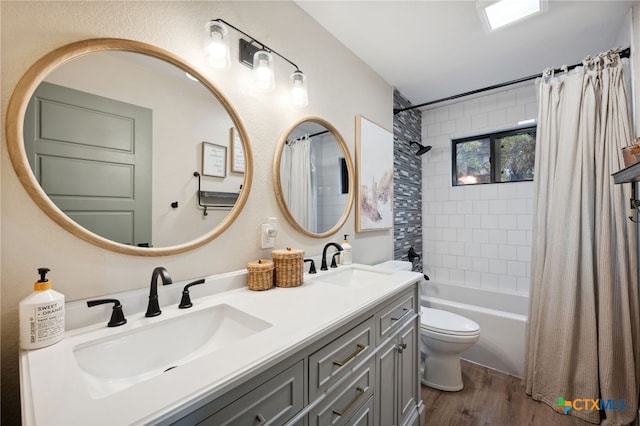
column 364, row 375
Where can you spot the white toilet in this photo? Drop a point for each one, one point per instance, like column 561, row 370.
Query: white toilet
column 444, row 335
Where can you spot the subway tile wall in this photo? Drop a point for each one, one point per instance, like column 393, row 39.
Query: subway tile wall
column 331, row 201
column 477, row 235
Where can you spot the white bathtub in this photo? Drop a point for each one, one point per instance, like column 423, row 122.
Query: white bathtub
column 501, row 316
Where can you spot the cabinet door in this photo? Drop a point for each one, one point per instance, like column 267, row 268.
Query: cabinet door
column 386, row 389
column 408, row 358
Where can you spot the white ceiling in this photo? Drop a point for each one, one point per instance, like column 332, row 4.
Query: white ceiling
column 430, row 49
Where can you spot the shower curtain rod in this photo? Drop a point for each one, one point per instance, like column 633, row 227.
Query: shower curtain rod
column 625, row 53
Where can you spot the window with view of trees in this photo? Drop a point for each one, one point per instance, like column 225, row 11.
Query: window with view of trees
column 494, row 158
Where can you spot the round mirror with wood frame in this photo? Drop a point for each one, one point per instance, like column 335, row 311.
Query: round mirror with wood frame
column 15, row 122
column 314, row 177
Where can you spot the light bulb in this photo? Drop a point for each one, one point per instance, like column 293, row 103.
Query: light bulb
column 299, row 96
column 216, row 47
column 263, row 70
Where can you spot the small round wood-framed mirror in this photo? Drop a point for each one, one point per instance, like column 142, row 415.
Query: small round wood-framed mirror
column 314, row 177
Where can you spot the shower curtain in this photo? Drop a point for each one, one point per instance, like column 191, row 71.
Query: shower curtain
column 582, row 333
column 298, row 181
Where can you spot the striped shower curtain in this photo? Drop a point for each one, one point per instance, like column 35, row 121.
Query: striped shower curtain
column 582, row 336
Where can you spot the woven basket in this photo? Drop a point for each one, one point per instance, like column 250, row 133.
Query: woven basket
column 288, row 263
column 260, row 274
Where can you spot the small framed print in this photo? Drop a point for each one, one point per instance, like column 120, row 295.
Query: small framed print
column 237, row 152
column 214, row 160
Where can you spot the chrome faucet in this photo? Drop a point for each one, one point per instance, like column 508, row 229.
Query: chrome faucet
column 323, row 267
column 153, row 309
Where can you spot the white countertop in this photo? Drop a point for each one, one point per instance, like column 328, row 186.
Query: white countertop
column 54, row 390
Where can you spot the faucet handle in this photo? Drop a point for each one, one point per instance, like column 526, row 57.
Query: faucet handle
column 312, row 268
column 185, row 302
column 117, row 316
column 333, row 259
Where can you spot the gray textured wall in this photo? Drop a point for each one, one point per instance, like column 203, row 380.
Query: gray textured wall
column 407, row 183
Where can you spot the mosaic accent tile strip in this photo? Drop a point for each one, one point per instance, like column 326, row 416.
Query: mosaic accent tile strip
column 407, row 182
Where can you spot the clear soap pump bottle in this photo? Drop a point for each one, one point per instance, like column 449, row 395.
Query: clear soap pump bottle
column 347, row 258
column 41, row 315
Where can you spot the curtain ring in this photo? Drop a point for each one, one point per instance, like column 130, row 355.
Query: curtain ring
column 587, row 63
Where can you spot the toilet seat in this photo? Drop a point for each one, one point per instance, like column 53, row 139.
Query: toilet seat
column 439, row 321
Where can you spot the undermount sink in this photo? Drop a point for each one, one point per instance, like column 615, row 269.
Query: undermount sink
column 354, row 276
column 117, row 362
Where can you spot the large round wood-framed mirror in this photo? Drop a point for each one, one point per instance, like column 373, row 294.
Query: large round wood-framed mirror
column 203, row 130
column 314, row 177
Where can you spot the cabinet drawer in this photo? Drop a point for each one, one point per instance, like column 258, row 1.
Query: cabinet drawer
column 329, row 363
column 341, row 404
column 364, row 416
column 393, row 315
column 273, row 402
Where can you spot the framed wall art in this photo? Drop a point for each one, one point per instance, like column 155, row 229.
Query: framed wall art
column 214, row 160
column 374, row 163
column 237, row 152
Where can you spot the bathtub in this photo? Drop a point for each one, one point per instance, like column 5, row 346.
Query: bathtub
column 502, row 318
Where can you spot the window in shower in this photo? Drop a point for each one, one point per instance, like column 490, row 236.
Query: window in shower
column 506, row 156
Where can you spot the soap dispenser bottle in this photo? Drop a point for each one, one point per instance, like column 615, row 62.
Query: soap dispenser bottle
column 41, row 315
column 347, row 259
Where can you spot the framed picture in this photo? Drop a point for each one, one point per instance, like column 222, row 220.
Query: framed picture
column 214, row 160
column 237, row 152
column 374, row 163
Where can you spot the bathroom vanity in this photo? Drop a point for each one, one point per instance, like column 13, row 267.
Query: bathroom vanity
column 343, row 348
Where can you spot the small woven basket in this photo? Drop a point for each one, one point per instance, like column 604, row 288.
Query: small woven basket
column 288, row 263
column 260, row 274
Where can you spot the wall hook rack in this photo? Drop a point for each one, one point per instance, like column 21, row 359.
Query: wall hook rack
column 214, row 199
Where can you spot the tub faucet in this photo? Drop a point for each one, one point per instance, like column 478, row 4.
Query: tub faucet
column 323, row 267
column 153, row 308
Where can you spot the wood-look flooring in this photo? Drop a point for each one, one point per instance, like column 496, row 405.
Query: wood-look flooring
column 489, row 398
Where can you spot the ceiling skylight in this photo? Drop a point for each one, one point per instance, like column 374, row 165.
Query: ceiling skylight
column 505, row 12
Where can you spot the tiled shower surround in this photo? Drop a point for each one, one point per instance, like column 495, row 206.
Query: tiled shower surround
column 407, row 182
column 476, row 235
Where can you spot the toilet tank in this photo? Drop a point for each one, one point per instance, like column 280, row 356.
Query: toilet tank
column 396, row 265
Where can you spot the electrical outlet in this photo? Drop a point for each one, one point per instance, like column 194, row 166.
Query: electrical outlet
column 267, row 240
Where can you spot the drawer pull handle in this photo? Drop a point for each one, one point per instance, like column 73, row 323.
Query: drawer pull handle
column 260, row 420
column 405, row 311
column 359, row 393
column 355, row 353
column 401, row 347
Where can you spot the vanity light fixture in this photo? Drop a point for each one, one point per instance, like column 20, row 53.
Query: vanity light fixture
column 259, row 57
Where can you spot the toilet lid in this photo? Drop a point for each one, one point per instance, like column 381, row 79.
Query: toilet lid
column 447, row 322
